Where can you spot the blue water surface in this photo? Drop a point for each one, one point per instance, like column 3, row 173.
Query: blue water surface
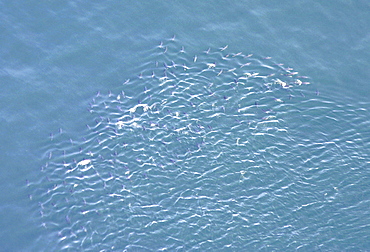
column 185, row 126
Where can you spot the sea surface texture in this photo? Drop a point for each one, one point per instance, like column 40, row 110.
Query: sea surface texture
column 185, row 126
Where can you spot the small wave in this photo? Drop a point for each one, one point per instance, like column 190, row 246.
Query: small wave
column 177, row 155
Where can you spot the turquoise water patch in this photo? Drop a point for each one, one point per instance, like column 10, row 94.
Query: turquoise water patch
column 218, row 150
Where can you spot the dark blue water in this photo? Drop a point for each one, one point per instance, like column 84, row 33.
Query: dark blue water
column 183, row 126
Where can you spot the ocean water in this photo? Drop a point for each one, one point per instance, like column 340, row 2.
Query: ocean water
column 185, row 126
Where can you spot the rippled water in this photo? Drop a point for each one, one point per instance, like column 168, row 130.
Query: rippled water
column 219, row 150
column 225, row 151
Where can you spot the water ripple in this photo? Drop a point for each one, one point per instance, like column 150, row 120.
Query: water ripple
column 215, row 151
